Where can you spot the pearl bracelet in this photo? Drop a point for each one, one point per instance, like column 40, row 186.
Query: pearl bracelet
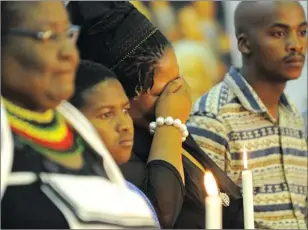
column 160, row 121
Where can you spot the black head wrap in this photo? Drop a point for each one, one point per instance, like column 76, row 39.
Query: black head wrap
column 118, row 36
column 110, row 30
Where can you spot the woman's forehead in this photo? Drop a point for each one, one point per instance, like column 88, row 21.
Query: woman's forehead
column 45, row 15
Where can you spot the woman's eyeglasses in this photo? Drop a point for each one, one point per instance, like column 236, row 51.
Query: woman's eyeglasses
column 72, row 33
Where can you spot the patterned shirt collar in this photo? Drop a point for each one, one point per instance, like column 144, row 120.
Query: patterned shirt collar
column 247, row 95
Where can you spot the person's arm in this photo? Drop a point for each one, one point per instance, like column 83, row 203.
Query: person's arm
column 164, row 187
column 161, row 183
column 167, row 146
column 175, row 102
column 165, row 184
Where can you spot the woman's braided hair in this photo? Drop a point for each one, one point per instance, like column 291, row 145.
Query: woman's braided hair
column 136, row 72
column 118, row 36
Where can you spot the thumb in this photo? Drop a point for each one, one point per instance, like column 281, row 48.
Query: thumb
column 174, row 85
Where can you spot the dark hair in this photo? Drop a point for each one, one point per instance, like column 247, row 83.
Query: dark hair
column 88, row 75
column 136, row 71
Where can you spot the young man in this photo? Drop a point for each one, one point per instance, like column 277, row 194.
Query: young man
column 249, row 108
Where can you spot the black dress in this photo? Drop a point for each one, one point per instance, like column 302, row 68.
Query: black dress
column 178, row 206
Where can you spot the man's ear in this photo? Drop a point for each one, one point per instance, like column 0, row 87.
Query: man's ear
column 243, row 44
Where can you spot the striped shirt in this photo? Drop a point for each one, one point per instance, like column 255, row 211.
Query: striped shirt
column 231, row 115
column 305, row 116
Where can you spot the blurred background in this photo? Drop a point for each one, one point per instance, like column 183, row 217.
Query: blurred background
column 203, row 37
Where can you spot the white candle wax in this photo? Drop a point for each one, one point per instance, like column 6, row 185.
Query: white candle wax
column 213, row 203
column 247, row 194
column 248, row 199
column 213, row 212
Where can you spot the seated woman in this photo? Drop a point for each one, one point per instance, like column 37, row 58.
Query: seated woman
column 101, row 98
column 118, row 36
column 56, row 171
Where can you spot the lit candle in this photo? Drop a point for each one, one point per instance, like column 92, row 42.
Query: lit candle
column 247, row 194
column 213, row 203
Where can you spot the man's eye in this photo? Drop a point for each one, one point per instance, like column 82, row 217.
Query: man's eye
column 279, row 34
column 303, row 32
column 105, row 115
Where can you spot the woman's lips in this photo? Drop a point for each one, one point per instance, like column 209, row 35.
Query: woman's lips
column 127, row 142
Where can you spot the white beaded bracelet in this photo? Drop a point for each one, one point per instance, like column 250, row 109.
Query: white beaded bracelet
column 160, row 121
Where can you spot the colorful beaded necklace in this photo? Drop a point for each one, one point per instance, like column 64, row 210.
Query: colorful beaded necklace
column 48, row 133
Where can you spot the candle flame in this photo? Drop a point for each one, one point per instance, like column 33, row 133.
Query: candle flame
column 210, row 184
column 245, row 161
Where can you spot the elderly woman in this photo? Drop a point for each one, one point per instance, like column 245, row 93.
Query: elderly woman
column 117, row 35
column 55, row 171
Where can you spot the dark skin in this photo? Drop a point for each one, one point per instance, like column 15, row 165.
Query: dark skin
column 272, row 39
column 106, row 106
column 38, row 75
column 169, row 96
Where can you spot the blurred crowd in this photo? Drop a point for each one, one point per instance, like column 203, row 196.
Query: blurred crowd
column 197, row 30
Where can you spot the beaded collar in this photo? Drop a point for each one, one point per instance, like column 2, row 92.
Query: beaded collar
column 47, row 132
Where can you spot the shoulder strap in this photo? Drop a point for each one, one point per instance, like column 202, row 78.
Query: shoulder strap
column 224, row 182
